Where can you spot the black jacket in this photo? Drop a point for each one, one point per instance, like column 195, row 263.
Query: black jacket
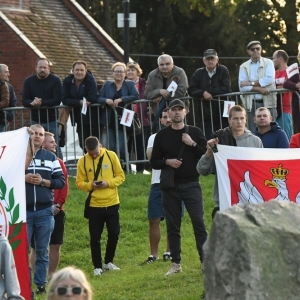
column 218, row 84
column 71, row 96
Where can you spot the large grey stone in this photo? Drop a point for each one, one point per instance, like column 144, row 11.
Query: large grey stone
column 253, row 253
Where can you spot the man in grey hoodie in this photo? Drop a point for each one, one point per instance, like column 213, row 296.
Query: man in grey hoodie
column 234, row 135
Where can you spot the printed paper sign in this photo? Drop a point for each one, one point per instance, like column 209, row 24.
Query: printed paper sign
column 227, row 106
column 84, row 107
column 172, row 88
column 127, row 117
column 292, row 70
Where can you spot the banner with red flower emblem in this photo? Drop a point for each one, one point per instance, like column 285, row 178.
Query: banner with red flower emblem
column 256, row 175
column 13, row 147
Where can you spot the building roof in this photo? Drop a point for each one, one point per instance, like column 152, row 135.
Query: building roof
column 62, row 31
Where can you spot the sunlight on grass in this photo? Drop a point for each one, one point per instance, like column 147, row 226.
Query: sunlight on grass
column 134, row 281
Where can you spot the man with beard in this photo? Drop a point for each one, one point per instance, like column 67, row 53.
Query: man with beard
column 43, row 89
column 168, row 143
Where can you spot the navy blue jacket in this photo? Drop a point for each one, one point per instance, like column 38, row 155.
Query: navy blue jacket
column 49, row 90
column 71, row 96
column 274, row 138
column 46, row 164
column 108, row 91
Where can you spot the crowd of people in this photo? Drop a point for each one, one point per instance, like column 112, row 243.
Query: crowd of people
column 181, row 151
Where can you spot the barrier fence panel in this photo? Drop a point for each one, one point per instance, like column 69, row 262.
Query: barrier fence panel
column 70, row 135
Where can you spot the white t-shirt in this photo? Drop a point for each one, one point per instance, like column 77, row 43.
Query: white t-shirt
column 155, row 173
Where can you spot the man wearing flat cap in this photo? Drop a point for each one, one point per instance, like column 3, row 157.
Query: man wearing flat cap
column 257, row 75
column 207, row 82
column 176, row 150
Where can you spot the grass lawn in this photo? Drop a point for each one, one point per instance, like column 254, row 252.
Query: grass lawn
column 134, row 281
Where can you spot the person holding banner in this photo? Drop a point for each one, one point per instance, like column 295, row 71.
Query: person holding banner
column 42, row 176
column 234, row 135
column 293, row 83
column 113, row 95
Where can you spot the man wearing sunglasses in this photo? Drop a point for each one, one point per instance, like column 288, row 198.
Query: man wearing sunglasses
column 257, row 75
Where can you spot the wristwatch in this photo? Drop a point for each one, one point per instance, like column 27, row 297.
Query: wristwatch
column 194, row 144
column 42, row 182
column 252, row 83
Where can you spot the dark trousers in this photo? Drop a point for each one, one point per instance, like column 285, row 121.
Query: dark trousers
column 99, row 217
column 191, row 194
column 141, row 146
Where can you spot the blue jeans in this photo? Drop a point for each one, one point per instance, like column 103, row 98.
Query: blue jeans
column 285, row 122
column 42, row 221
column 53, row 128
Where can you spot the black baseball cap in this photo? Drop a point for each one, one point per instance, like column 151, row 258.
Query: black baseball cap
column 176, row 102
column 253, row 43
column 210, row 53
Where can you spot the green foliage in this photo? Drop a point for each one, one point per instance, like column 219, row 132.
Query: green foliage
column 134, row 281
column 187, row 28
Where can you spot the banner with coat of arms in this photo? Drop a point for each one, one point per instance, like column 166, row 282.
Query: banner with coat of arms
column 256, row 175
column 13, row 147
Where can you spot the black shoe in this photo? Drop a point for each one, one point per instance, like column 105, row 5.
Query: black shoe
column 41, row 290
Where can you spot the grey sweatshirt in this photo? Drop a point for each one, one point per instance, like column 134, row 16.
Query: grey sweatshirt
column 206, row 165
column 9, row 284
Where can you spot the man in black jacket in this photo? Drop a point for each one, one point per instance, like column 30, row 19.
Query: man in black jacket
column 78, row 85
column 165, row 156
column 43, row 89
column 207, row 82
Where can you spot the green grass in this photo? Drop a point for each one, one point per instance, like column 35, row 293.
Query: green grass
column 134, row 281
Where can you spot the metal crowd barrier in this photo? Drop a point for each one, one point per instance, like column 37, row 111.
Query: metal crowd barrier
column 72, row 151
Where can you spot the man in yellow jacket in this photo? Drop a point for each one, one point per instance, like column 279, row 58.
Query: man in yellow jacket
column 104, row 200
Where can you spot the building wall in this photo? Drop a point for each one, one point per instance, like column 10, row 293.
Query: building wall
column 19, row 58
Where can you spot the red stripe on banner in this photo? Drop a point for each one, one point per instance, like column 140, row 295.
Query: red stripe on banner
column 271, row 178
column 18, row 241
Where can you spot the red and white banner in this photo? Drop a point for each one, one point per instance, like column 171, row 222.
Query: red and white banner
column 13, row 146
column 292, row 70
column 256, row 175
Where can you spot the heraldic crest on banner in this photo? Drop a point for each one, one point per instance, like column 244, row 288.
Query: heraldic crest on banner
column 250, row 194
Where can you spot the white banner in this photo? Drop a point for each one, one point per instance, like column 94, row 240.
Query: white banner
column 254, row 175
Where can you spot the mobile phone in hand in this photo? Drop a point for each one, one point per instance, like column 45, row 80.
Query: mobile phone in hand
column 98, row 182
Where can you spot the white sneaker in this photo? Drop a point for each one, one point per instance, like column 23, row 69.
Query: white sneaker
column 98, row 272
column 110, row 266
column 176, row 268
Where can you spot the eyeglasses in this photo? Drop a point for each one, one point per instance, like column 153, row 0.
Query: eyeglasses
column 132, row 63
column 62, row 290
column 256, row 48
column 118, row 72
